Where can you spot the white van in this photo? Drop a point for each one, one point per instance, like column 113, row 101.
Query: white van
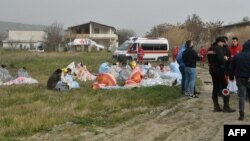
column 154, row 49
column 37, row 47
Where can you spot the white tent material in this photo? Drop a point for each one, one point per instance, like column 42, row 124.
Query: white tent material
column 80, row 42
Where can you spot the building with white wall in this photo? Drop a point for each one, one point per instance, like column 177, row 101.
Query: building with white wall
column 24, row 39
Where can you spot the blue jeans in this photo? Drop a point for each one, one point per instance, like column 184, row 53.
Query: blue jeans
column 243, row 85
column 182, row 70
column 190, row 74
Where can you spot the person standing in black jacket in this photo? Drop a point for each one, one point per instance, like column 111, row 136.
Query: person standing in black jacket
column 228, row 54
column 217, row 59
column 240, row 68
column 190, row 57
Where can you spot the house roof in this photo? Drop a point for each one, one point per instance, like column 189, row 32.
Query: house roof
column 91, row 22
column 237, row 24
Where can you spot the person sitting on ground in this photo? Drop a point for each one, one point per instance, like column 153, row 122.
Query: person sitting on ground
column 124, row 73
column 22, row 72
column 135, row 76
column 68, row 78
column 81, row 72
column 162, row 68
column 4, row 74
column 54, row 79
column 105, row 78
column 115, row 70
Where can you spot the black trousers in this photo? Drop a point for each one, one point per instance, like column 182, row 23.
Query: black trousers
column 219, row 83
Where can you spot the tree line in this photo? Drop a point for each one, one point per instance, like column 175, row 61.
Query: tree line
column 202, row 33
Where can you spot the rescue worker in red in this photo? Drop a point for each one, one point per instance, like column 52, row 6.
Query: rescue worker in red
column 235, row 47
column 203, row 53
column 140, row 54
column 175, row 53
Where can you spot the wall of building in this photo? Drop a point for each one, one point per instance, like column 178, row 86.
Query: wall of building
column 26, row 35
column 241, row 32
column 23, row 39
column 102, row 29
column 17, row 45
column 101, row 34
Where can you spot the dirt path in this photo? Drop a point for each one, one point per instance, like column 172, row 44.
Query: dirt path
column 190, row 120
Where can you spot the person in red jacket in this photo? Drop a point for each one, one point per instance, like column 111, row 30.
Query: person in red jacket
column 140, row 55
column 175, row 53
column 235, row 47
column 203, row 53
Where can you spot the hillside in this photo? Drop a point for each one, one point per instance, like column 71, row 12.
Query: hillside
column 5, row 26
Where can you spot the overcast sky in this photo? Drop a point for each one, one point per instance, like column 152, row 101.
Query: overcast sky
column 138, row 15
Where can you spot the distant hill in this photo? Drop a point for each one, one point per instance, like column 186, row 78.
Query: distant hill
column 5, row 26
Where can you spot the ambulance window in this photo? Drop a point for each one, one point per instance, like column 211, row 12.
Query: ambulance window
column 161, row 47
column 147, row 46
column 133, row 47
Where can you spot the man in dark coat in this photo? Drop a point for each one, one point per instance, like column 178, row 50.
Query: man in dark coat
column 240, row 68
column 217, row 59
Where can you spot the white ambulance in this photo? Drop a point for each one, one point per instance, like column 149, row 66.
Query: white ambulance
column 154, row 49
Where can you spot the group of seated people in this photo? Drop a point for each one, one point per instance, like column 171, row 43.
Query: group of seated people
column 133, row 75
column 21, row 77
column 118, row 75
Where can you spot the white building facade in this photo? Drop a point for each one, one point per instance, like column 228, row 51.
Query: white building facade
column 23, row 39
column 102, row 34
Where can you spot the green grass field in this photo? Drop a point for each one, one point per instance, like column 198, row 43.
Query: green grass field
column 28, row 109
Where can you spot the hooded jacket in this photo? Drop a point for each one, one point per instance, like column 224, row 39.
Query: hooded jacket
column 240, row 66
column 179, row 56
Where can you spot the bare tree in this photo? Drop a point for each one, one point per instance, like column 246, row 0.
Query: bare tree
column 176, row 34
column 213, row 29
column 54, row 35
column 159, row 30
column 193, row 28
column 124, row 34
column 195, row 25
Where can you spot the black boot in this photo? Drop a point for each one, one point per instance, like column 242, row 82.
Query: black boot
column 241, row 115
column 216, row 104
column 226, row 107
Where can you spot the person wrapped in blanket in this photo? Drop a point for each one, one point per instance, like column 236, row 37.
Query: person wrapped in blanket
column 82, row 73
column 54, row 79
column 4, row 74
column 135, row 77
column 68, row 78
column 104, row 78
column 62, row 80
